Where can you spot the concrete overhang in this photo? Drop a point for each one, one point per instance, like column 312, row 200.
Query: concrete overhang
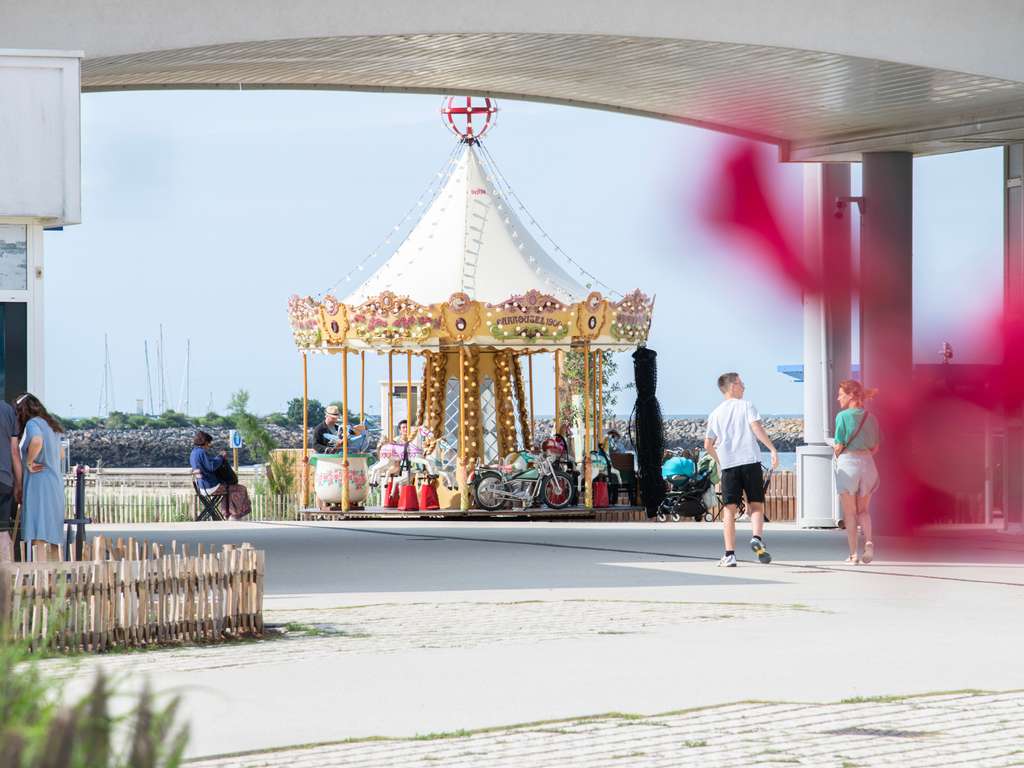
column 824, row 80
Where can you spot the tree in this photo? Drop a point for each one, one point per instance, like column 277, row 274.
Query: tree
column 294, row 411
column 116, row 420
column 572, row 375
column 239, row 403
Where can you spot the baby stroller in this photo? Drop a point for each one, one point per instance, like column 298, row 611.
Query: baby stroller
column 686, row 497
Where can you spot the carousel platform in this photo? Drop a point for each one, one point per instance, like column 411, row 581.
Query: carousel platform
column 623, row 514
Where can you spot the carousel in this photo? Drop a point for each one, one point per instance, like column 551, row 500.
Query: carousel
column 469, row 299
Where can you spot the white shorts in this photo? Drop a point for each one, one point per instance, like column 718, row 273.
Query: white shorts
column 856, row 473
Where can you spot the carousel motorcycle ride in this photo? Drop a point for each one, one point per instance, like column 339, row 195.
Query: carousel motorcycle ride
column 526, row 479
column 557, row 448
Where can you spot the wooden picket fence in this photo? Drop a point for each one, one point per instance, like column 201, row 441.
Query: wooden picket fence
column 145, row 505
column 130, row 594
column 780, row 498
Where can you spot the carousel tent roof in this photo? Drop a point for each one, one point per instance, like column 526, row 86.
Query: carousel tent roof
column 469, row 240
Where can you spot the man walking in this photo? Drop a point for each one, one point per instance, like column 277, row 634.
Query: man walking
column 734, row 428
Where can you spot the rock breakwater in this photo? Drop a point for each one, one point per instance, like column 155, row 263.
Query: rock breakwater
column 171, row 447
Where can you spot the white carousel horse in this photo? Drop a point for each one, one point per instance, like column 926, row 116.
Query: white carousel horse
column 392, row 454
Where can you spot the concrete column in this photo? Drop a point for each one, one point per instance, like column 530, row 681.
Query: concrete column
column 1013, row 282
column 886, row 316
column 826, row 334
column 886, row 267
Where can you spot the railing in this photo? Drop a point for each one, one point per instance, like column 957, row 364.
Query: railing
column 133, row 595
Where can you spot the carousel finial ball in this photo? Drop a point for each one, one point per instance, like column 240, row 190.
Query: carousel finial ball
column 469, row 117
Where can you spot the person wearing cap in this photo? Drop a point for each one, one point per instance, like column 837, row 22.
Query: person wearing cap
column 326, row 437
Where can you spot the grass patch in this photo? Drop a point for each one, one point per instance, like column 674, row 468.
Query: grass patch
column 898, row 697
column 694, row 743
column 629, row 754
column 316, row 630
column 441, row 735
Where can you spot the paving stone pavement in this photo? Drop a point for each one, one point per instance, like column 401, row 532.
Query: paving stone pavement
column 976, row 729
column 394, row 627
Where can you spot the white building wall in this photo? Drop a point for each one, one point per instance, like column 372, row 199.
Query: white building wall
column 40, row 176
column 40, row 155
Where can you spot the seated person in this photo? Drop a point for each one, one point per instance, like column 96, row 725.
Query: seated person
column 326, row 437
column 615, row 442
column 205, row 467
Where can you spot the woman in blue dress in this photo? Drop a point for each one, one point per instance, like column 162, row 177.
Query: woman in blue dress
column 42, row 504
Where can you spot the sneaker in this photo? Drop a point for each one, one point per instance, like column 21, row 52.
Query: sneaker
column 869, row 552
column 852, row 560
column 760, row 551
column 727, row 561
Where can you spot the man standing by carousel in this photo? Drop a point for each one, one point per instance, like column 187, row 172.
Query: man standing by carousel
column 326, row 437
column 734, row 428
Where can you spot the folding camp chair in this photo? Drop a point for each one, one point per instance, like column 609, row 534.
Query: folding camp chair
column 210, row 502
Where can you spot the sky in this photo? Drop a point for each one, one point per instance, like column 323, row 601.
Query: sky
column 204, row 211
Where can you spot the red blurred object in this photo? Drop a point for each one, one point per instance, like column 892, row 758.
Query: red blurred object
column 428, row 497
column 600, row 494
column 407, row 499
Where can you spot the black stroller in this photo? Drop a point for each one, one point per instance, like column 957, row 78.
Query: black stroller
column 686, row 497
column 689, row 494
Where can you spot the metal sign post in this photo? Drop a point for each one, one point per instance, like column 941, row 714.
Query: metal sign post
column 235, row 438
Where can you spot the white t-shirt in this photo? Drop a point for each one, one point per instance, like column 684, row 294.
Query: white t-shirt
column 729, row 426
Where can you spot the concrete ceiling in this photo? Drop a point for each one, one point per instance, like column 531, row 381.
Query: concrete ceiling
column 823, row 79
column 814, row 105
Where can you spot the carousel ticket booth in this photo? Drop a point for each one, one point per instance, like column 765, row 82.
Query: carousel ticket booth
column 463, row 309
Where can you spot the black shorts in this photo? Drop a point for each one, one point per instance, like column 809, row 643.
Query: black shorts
column 745, row 479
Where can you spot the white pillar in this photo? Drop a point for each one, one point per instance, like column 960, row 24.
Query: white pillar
column 826, row 333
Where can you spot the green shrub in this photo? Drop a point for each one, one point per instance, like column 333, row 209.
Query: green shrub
column 281, row 474
column 294, row 412
column 37, row 733
column 278, row 419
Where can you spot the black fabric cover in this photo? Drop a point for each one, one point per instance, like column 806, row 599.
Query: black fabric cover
column 649, row 437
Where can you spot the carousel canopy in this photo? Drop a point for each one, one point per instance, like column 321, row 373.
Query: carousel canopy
column 469, row 241
column 470, row 273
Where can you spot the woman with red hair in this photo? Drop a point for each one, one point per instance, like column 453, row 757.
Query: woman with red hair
column 856, row 440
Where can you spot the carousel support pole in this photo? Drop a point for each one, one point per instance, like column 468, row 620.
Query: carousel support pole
column 599, row 405
column 362, row 387
column 304, row 485
column 588, row 491
column 408, row 389
column 558, row 377
column 533, row 420
column 425, row 394
column 344, row 430
column 391, row 400
column 463, row 474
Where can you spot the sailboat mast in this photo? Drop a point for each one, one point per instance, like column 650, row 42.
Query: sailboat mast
column 149, row 378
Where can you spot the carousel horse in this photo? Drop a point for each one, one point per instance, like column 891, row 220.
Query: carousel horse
column 416, row 454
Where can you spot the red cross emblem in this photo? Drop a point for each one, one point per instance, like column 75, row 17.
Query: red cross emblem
column 459, row 113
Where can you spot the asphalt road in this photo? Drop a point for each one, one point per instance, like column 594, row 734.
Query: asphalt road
column 404, row 556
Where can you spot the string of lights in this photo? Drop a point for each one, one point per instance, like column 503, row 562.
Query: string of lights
column 423, row 202
column 506, row 189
